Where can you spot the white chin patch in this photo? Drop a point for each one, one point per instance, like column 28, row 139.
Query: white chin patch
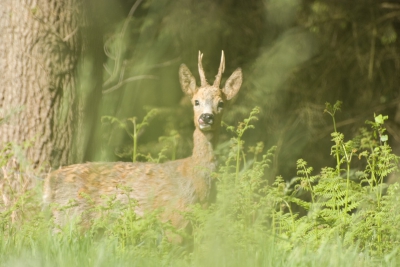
column 205, row 127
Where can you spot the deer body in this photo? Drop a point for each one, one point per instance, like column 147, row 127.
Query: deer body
column 172, row 186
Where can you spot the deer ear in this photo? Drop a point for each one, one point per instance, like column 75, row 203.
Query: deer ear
column 232, row 85
column 188, row 82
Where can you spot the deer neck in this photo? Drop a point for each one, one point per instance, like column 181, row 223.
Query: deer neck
column 203, row 163
column 203, row 148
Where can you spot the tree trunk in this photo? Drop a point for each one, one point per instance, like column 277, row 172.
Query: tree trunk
column 39, row 50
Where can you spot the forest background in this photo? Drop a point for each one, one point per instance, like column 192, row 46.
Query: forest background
column 70, row 68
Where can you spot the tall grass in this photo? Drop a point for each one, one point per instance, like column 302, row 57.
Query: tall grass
column 351, row 216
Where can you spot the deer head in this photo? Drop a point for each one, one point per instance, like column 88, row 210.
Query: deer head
column 209, row 100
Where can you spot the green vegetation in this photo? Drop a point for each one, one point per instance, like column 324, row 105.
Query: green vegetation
column 344, row 215
column 137, row 127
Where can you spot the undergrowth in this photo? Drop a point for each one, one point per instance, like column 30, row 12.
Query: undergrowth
column 342, row 215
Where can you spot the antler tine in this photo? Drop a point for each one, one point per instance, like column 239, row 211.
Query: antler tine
column 220, row 70
column 201, row 71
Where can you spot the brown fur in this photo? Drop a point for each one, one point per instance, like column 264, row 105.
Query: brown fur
column 173, row 186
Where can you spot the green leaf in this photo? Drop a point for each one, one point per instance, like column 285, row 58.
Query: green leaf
column 379, row 119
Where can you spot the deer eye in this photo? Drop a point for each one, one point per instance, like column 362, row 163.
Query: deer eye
column 220, row 104
column 196, row 102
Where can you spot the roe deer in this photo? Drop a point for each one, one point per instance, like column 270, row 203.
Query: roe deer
column 172, row 186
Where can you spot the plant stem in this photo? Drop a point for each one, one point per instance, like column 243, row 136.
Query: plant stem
column 337, row 146
column 347, row 187
column 238, row 159
column 348, row 160
column 309, row 184
column 134, row 141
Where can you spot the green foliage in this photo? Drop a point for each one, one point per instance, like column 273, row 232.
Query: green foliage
column 137, row 128
column 171, row 142
column 168, row 143
column 344, row 215
column 238, row 142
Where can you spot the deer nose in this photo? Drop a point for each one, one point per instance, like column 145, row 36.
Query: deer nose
column 207, row 118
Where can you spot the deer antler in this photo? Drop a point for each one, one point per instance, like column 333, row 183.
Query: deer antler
column 220, row 70
column 201, row 71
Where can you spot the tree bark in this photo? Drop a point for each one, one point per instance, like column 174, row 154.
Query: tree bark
column 39, row 50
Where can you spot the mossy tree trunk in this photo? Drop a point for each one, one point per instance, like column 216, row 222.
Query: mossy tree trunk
column 39, row 51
